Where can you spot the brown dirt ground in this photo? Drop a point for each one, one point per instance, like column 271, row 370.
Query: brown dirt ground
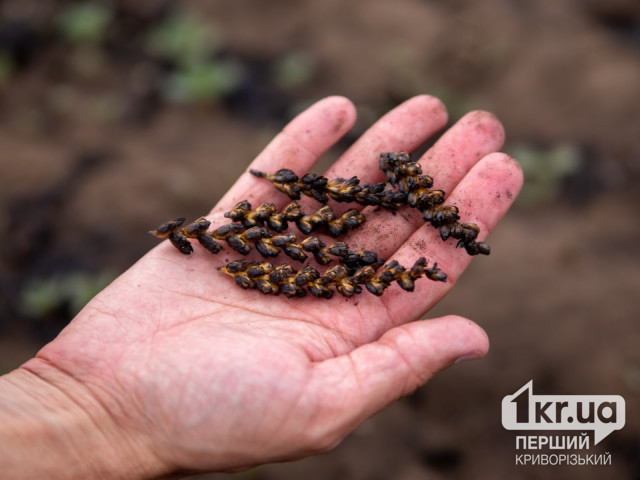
column 559, row 293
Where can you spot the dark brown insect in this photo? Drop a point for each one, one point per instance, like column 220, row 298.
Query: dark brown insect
column 171, row 231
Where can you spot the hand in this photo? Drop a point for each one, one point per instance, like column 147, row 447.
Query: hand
column 196, row 374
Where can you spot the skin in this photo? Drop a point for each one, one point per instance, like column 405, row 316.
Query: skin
column 174, row 369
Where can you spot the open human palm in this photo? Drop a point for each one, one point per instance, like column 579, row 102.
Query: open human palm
column 202, row 375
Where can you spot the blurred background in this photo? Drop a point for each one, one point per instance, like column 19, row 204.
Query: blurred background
column 116, row 115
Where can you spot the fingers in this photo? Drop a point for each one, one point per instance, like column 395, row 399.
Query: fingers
column 404, row 128
column 308, row 136
column 300, row 144
column 357, row 385
column 475, row 135
column 483, row 196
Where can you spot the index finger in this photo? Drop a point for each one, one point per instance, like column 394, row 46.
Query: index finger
column 484, row 196
column 298, row 147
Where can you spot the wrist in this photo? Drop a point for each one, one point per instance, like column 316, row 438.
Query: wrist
column 53, row 427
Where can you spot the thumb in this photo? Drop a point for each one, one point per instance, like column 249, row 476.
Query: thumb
column 353, row 387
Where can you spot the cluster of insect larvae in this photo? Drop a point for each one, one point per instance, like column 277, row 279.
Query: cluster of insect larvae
column 347, row 281
column 352, row 270
column 406, row 185
column 255, row 226
column 265, row 229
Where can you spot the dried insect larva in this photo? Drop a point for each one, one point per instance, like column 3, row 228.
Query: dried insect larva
column 225, row 231
column 234, row 267
column 239, row 244
column 419, row 183
column 355, row 260
column 389, row 163
column 288, row 242
column 196, row 228
column 333, row 274
column 312, row 244
column 338, row 276
column 290, row 288
column 321, row 252
column 435, row 274
column 167, row 228
column 171, row 231
column 281, row 273
column 266, row 248
column 468, row 232
column 392, row 199
column 292, row 211
column 427, row 201
column 308, row 223
column 343, row 189
column 349, row 220
column 239, row 211
column 400, row 170
column 255, row 234
column 207, row 241
column 238, row 270
column 281, row 279
column 370, row 194
column 243, row 281
column 284, row 239
column 284, row 180
column 338, row 249
column 313, row 186
column 259, row 272
column 322, row 256
column 266, row 287
column 318, row 289
column 305, row 276
column 443, row 216
column 181, row 243
column 255, row 269
column 476, row 248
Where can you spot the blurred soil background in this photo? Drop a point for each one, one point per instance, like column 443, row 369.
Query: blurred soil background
column 117, row 115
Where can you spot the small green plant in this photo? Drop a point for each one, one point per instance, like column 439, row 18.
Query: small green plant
column 40, row 297
column 197, row 76
column 203, row 82
column 85, row 23
column 183, row 40
column 6, row 68
column 545, row 169
column 293, row 70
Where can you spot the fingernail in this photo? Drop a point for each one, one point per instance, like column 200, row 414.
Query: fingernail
column 468, row 356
